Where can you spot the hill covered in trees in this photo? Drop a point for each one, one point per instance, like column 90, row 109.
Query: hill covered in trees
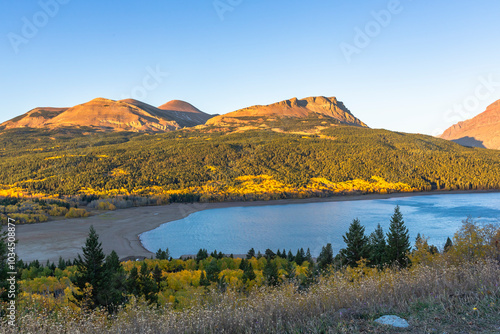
column 209, row 165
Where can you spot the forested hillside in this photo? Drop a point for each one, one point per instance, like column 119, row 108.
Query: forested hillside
column 208, row 165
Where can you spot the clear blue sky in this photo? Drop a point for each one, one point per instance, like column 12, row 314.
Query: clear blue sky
column 419, row 63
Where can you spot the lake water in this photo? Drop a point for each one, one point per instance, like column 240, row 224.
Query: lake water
column 313, row 225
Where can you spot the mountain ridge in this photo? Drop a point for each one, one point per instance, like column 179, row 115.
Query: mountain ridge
column 314, row 106
column 103, row 114
column 482, row 130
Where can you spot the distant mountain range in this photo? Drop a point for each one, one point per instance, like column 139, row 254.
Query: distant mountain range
column 307, row 116
column 480, row 131
column 109, row 115
column 136, row 116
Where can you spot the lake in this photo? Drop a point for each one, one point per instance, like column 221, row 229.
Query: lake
column 312, row 225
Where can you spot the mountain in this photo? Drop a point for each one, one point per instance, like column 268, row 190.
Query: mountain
column 480, row 131
column 186, row 111
column 328, row 109
column 109, row 115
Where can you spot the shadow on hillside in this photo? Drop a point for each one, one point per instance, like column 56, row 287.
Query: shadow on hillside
column 469, row 142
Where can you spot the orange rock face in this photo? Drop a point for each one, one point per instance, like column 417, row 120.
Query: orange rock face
column 480, row 131
column 294, row 108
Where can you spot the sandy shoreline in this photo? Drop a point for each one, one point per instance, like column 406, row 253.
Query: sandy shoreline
column 119, row 230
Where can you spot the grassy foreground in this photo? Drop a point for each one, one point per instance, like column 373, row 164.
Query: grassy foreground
column 435, row 297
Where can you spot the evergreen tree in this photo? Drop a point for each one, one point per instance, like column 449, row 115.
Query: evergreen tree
column 398, row 240
column 278, row 253
column 270, row 273
column 357, row 244
column 116, row 289
column 91, row 270
column 290, row 256
column 250, row 254
column 157, row 276
column 248, row 273
column 448, row 244
column 269, row 254
column 62, row 264
column 162, row 255
column 203, row 279
column 132, row 283
column 377, row 247
column 325, row 258
column 309, row 257
column 212, row 271
column 149, row 287
column 202, row 255
column 300, row 257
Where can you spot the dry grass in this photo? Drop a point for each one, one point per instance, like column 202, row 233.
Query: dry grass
column 434, row 298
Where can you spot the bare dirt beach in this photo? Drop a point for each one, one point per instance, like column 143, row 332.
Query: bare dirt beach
column 119, row 230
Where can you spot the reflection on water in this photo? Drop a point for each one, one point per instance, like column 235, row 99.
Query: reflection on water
column 313, row 225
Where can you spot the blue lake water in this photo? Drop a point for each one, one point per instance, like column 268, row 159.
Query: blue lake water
column 313, row 225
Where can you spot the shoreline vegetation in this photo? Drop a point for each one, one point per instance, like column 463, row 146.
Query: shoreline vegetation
column 122, row 227
column 453, row 290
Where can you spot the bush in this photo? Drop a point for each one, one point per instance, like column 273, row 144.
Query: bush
column 76, row 213
column 58, row 211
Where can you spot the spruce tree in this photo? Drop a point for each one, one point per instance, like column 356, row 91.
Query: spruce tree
column 325, row 258
column 357, row 244
column 62, row 264
column 148, row 286
column 309, row 257
column 378, row 247
column 250, row 254
column 203, row 279
column 132, row 283
column 91, row 270
column 290, row 256
column 116, row 288
column 448, row 244
column 271, row 273
column 398, row 240
column 212, row 271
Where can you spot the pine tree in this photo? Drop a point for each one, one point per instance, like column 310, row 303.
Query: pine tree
column 250, row 254
column 290, row 256
column 91, row 270
column 309, row 257
column 378, row 247
column 203, row 279
column 157, row 276
column 132, row 283
column 398, row 240
column 448, row 244
column 116, row 289
column 212, row 271
column 270, row 273
column 248, row 273
column 357, row 244
column 325, row 258
column 148, row 285
column 269, row 254
column 202, row 255
column 300, row 257
column 62, row 264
